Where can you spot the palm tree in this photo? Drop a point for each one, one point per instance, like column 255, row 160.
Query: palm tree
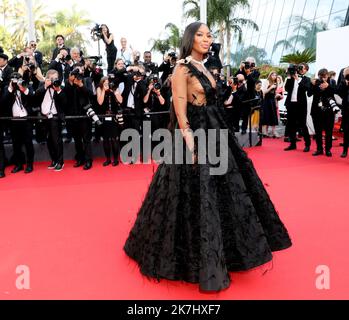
column 160, row 45
column 20, row 24
column 6, row 10
column 174, row 38
column 304, row 33
column 307, row 56
column 70, row 23
column 220, row 17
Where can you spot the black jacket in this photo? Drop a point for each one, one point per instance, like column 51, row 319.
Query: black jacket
column 343, row 92
column 58, row 67
column 139, row 94
column 6, row 77
column 77, row 99
column 10, row 98
column 303, row 90
column 60, row 99
column 321, row 96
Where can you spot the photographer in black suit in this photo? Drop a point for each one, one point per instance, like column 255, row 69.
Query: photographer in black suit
column 234, row 97
column 133, row 96
column 78, row 97
column 5, row 78
column 249, row 70
column 343, row 92
column 36, row 53
column 18, row 98
column 52, row 100
column 63, row 63
column 323, row 110
column 297, row 86
column 60, row 43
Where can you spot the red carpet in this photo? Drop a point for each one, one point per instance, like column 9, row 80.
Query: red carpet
column 69, row 229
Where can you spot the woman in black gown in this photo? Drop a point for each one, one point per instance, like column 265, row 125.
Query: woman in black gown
column 108, row 39
column 197, row 227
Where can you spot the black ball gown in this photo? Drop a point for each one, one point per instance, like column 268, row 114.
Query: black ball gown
column 196, row 227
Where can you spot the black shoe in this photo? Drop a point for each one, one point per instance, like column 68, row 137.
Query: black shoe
column 318, row 153
column 290, row 147
column 52, row 165
column 29, row 169
column 106, row 163
column 306, row 149
column 115, row 163
column 78, row 164
column 2, row 174
column 59, row 167
column 287, row 139
column 328, row 154
column 17, row 169
column 344, row 154
column 88, row 165
column 341, row 144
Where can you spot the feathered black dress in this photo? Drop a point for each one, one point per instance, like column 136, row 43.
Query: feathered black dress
column 196, row 227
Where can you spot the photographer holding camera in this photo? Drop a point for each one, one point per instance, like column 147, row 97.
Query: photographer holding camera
column 78, row 96
column 63, row 63
column 249, row 70
column 168, row 65
column 17, row 61
column 36, row 53
column 343, row 92
column 323, row 110
column 149, row 66
column 18, row 98
column 297, row 86
column 154, row 102
column 59, row 45
column 31, row 72
column 234, row 97
column 53, row 100
column 109, row 100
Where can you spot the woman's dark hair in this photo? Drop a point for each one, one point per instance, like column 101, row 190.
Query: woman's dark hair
column 101, row 83
column 188, row 39
column 59, row 36
column 108, row 32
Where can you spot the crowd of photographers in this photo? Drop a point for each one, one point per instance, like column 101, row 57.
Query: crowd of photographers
column 75, row 94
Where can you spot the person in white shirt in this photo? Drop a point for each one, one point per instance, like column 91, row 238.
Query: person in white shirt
column 125, row 53
column 18, row 97
column 52, row 100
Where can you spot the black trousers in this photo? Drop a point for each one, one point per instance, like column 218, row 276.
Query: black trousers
column 297, row 119
column 22, row 135
column 82, row 134
column 2, row 150
column 323, row 121
column 345, row 127
column 54, row 140
column 245, row 114
column 111, row 57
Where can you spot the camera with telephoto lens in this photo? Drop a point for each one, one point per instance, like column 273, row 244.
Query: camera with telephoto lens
column 333, row 105
column 97, row 32
column 76, row 73
column 120, row 118
column 92, row 115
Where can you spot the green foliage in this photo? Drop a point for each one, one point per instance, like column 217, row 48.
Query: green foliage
column 307, row 56
column 13, row 32
column 266, row 69
column 252, row 51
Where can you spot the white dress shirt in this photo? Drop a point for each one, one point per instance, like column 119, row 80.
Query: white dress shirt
column 48, row 104
column 294, row 96
column 18, row 110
